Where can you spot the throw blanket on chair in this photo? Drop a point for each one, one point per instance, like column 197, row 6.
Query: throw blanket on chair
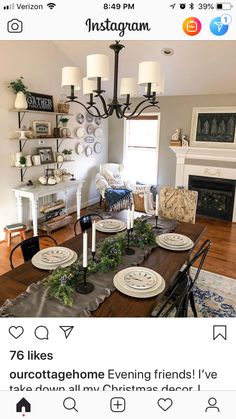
column 118, row 199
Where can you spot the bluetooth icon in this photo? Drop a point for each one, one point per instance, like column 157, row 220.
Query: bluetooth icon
column 191, row 6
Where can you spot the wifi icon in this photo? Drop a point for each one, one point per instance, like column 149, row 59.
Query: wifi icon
column 51, row 5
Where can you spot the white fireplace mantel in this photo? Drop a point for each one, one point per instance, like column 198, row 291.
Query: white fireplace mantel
column 207, row 162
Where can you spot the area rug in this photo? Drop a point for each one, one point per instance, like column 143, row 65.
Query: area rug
column 215, row 295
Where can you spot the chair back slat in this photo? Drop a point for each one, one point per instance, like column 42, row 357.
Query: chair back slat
column 180, row 291
column 29, row 247
column 85, row 222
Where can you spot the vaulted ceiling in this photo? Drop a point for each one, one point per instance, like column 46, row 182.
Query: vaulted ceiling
column 197, row 67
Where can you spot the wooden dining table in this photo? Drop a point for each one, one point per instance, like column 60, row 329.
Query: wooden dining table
column 166, row 262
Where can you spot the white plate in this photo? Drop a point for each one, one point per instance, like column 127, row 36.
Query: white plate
column 80, row 118
column 54, row 254
column 138, row 278
column 98, row 132
column 174, row 239
column 174, row 248
column 139, row 293
column 89, row 118
column 47, row 267
column 80, row 148
column 88, row 150
column 38, row 258
column 97, row 147
column 80, row 132
column 98, row 120
column 110, row 223
column 90, row 129
column 110, row 226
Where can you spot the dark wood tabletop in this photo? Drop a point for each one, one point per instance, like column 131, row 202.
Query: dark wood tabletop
column 167, row 263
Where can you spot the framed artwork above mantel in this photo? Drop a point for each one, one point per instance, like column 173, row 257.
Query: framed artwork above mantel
column 213, row 127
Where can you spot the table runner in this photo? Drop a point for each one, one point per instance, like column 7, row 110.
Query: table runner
column 35, row 303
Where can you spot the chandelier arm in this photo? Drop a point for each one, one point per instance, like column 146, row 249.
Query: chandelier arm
column 139, row 113
column 105, row 108
column 136, row 109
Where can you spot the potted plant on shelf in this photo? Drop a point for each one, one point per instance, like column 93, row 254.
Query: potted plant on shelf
column 64, row 121
column 22, row 161
column 67, row 153
column 20, row 89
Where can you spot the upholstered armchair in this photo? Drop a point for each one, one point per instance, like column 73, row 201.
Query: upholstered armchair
column 113, row 187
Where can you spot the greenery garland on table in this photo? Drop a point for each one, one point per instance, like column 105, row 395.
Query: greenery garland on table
column 61, row 284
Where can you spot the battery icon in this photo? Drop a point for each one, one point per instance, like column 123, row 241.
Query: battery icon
column 224, row 6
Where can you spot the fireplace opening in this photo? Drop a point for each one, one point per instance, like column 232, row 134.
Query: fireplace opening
column 215, row 196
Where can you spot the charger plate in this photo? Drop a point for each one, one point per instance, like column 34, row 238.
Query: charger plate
column 174, row 248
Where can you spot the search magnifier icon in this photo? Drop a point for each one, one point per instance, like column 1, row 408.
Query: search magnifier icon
column 70, row 404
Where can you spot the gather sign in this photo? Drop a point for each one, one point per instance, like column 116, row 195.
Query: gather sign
column 40, row 102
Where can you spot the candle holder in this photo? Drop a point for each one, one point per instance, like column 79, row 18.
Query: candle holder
column 85, row 287
column 128, row 250
column 156, row 219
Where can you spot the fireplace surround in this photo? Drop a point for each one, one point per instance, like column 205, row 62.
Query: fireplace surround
column 216, row 172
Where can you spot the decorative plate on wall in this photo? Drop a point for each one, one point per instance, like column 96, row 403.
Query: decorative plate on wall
column 88, row 150
column 97, row 147
column 90, row 129
column 89, row 139
column 80, row 132
column 89, row 118
column 98, row 132
column 80, row 148
column 80, row 118
column 98, row 120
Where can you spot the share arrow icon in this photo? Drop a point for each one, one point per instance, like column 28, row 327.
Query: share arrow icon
column 67, row 330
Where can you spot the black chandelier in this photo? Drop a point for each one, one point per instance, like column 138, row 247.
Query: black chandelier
column 98, row 71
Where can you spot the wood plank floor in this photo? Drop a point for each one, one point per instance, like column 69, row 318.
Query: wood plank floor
column 221, row 259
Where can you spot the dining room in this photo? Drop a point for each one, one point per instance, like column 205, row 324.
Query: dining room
column 143, row 245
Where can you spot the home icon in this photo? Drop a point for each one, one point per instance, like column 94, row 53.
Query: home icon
column 23, row 406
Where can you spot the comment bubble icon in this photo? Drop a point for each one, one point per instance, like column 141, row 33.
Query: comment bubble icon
column 41, row 333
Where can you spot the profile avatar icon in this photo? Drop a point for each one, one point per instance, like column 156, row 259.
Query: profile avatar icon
column 212, row 402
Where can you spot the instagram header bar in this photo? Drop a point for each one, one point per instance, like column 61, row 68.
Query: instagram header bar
column 118, row 20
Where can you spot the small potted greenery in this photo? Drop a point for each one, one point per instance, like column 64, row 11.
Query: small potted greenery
column 64, row 121
column 67, row 153
column 22, row 161
column 21, row 90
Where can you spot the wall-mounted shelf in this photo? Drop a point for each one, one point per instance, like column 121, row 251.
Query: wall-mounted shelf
column 59, row 140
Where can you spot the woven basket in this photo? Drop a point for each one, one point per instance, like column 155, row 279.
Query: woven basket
column 138, row 202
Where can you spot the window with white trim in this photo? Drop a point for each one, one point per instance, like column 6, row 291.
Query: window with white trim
column 141, row 149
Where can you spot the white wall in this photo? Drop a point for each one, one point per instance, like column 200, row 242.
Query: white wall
column 176, row 112
column 40, row 63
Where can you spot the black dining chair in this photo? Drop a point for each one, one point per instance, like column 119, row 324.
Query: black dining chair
column 85, row 222
column 180, row 295
column 29, row 247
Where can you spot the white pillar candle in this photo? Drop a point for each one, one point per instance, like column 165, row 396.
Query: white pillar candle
column 94, row 236
column 132, row 217
column 85, row 249
column 128, row 219
column 157, row 201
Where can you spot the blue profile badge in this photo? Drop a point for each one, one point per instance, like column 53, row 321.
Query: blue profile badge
column 220, row 25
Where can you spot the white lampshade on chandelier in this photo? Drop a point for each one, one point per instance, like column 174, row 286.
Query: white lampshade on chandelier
column 98, row 72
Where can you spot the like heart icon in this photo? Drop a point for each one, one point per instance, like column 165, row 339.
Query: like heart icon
column 165, row 404
column 16, row 331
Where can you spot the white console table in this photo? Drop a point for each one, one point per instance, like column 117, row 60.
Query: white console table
column 33, row 193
